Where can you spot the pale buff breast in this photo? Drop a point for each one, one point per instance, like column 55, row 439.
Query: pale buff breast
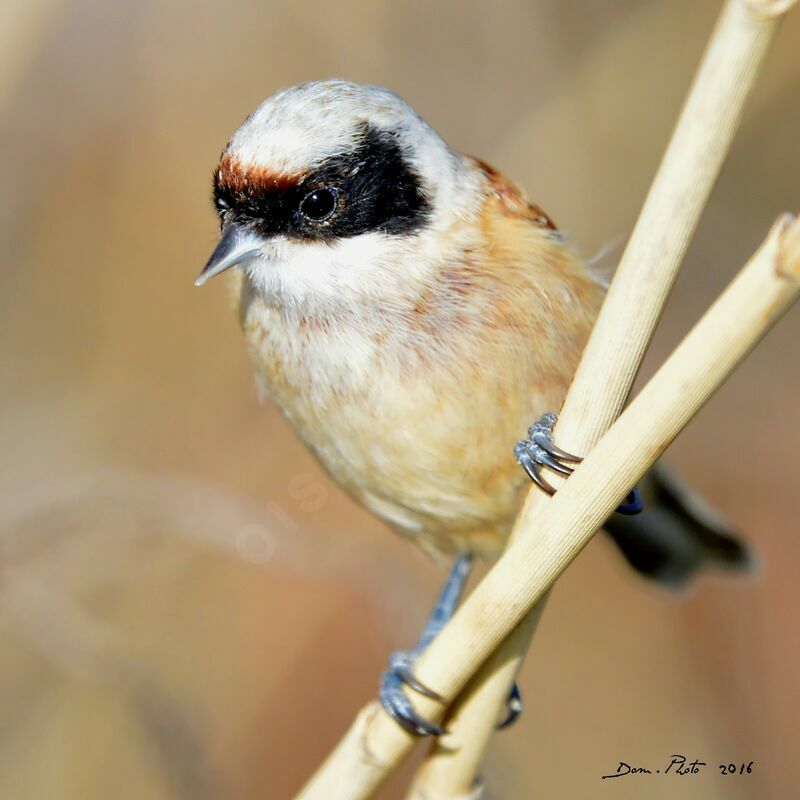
column 416, row 414
column 399, row 435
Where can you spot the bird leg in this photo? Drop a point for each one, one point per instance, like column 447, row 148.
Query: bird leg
column 400, row 673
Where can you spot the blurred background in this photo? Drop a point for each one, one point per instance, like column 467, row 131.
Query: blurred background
column 188, row 607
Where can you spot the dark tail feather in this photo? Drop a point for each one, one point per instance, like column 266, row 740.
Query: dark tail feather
column 677, row 534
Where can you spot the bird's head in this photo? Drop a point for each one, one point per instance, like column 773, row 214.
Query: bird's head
column 336, row 194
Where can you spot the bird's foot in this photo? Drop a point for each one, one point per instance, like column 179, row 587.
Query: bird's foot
column 539, row 450
column 400, row 673
column 393, row 697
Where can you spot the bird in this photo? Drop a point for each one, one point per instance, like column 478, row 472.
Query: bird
column 411, row 312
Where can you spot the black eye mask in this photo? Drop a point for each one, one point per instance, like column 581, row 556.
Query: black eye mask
column 374, row 188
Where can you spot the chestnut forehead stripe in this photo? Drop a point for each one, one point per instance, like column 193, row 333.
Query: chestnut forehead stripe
column 235, row 178
column 377, row 190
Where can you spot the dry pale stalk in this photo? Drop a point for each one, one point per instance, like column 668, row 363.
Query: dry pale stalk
column 25, row 30
column 612, row 358
column 543, row 549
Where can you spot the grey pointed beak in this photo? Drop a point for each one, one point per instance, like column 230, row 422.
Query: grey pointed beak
column 236, row 246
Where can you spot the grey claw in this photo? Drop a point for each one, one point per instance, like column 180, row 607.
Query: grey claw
column 547, row 444
column 405, row 674
column 541, row 481
column 399, row 708
column 548, row 460
column 532, row 468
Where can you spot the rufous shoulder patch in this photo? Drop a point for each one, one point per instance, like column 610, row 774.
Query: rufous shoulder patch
column 512, row 198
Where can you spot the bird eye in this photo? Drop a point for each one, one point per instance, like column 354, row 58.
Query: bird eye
column 319, row 204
